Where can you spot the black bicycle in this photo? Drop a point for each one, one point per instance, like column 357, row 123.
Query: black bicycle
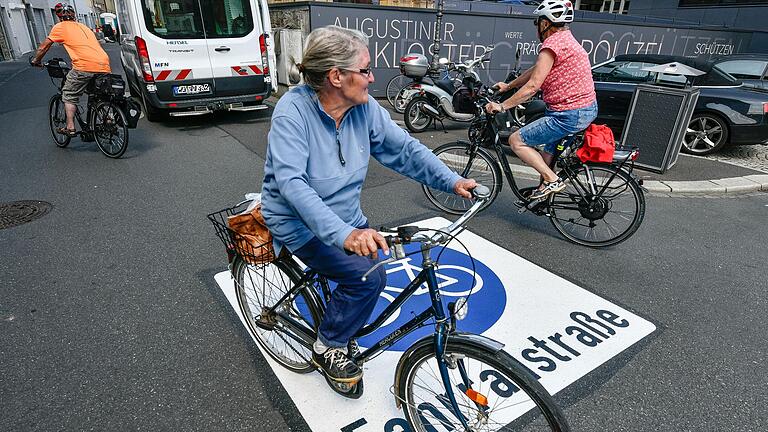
column 448, row 380
column 105, row 120
column 602, row 204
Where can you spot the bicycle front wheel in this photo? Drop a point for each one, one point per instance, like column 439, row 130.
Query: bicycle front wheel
column 397, row 83
column 493, row 391
column 110, row 129
column 57, row 119
column 285, row 331
column 600, row 206
column 468, row 162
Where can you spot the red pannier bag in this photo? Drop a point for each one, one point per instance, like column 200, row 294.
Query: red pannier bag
column 598, row 144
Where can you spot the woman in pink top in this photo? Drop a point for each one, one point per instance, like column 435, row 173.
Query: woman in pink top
column 562, row 71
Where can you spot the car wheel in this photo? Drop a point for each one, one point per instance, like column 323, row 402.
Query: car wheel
column 706, row 134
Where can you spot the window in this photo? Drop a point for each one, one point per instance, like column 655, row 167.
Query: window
column 183, row 19
column 744, row 69
column 227, row 18
column 173, row 19
column 623, row 71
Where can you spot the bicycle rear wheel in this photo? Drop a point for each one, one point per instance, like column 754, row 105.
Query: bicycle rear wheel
column 284, row 333
column 394, row 86
column 601, row 206
column 110, row 128
column 57, row 118
column 468, row 162
column 493, row 392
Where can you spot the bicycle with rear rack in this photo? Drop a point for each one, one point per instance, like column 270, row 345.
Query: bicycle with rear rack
column 602, row 205
column 448, row 380
column 108, row 115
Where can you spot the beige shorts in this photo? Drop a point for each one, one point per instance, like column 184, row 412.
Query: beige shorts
column 75, row 85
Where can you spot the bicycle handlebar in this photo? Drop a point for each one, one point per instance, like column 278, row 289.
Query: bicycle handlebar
column 411, row 234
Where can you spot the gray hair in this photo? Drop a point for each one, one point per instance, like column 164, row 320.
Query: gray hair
column 327, row 48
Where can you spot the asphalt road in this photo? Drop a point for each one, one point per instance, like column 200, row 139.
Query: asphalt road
column 110, row 318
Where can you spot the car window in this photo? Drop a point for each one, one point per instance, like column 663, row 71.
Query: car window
column 227, row 18
column 623, row 71
column 173, row 19
column 744, row 69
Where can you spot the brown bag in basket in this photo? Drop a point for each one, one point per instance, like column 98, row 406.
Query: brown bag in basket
column 252, row 239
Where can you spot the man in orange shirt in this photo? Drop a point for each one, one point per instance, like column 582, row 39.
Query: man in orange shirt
column 88, row 59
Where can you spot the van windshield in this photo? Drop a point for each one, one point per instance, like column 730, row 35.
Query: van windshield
column 183, row 19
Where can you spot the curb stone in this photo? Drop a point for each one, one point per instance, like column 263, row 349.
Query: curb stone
column 752, row 183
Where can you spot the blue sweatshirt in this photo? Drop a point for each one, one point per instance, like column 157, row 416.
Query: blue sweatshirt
column 314, row 172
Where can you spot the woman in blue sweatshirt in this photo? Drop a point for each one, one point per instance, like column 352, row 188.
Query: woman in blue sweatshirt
column 322, row 136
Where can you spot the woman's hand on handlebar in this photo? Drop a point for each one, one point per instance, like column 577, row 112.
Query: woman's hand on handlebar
column 365, row 242
column 463, row 187
column 501, row 86
column 493, row 108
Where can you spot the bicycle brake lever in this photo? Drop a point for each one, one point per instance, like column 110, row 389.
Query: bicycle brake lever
column 378, row 264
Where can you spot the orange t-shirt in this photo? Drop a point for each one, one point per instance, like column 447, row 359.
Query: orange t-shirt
column 82, row 46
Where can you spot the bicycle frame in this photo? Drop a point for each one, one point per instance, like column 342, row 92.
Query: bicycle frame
column 565, row 142
column 442, row 330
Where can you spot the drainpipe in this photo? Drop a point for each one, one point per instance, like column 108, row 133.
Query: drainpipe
column 438, row 34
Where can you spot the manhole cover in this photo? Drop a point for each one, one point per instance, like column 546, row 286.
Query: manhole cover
column 21, row 212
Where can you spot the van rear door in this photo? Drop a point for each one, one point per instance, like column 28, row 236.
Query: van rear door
column 174, row 35
column 234, row 37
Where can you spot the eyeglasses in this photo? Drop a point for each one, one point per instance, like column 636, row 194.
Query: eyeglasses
column 536, row 22
column 365, row 71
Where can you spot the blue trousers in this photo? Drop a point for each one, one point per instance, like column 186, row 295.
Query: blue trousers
column 353, row 300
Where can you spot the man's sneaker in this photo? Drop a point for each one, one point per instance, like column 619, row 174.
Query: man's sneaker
column 337, row 365
column 549, row 188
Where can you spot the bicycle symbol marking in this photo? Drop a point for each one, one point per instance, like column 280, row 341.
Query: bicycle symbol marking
column 455, row 279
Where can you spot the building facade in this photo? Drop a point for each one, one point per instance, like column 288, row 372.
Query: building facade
column 742, row 14
column 24, row 24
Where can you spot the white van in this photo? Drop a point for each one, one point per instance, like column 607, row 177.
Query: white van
column 191, row 57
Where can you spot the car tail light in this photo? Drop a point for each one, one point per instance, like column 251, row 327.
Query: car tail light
column 146, row 66
column 765, row 107
column 263, row 49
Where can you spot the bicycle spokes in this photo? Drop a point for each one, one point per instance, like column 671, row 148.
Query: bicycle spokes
column 487, row 398
column 599, row 206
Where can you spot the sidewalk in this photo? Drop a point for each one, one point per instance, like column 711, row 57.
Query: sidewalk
column 691, row 175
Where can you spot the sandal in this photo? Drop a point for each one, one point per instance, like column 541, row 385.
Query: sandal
column 67, row 132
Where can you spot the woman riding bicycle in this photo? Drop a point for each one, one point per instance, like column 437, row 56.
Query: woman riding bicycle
column 321, row 138
column 88, row 59
column 562, row 71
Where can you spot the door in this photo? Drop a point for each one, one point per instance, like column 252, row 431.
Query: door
column 174, row 35
column 20, row 31
column 233, row 33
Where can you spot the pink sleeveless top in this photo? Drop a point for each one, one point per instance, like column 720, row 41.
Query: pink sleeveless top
column 569, row 84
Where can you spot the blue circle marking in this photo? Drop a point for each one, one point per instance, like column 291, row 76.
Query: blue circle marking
column 455, row 279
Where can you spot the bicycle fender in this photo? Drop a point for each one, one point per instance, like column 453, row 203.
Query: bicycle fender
column 475, row 340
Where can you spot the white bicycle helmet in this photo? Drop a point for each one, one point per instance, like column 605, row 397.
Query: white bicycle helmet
column 557, row 11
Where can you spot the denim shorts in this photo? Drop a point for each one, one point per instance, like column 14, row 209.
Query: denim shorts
column 550, row 129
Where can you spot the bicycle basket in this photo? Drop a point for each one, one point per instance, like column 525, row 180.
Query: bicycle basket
column 250, row 239
column 111, row 85
column 56, row 70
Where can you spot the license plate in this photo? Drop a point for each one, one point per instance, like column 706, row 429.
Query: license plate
column 191, row 89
